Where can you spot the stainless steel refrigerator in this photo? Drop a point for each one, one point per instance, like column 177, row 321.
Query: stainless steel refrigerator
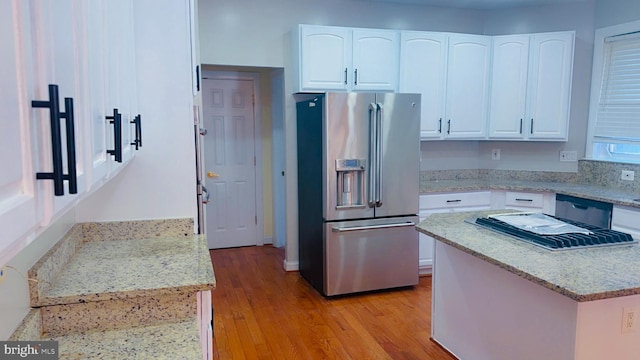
column 358, row 179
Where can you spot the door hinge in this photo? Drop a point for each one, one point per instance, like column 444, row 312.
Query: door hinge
column 254, row 161
column 256, row 219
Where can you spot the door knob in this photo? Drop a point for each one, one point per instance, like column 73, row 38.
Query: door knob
column 212, row 175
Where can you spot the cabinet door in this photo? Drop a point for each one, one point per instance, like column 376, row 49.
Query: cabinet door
column 550, row 85
column 625, row 219
column 120, row 88
column 18, row 209
column 128, row 90
column 508, row 86
column 467, row 86
column 325, row 54
column 58, row 57
column 423, row 66
column 97, row 27
column 375, row 60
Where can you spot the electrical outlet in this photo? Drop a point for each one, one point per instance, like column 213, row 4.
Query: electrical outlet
column 627, row 175
column 568, row 156
column 495, row 154
column 629, row 321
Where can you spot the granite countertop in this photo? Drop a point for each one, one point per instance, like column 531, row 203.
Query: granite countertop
column 172, row 340
column 593, row 192
column 120, row 269
column 180, row 340
column 580, row 274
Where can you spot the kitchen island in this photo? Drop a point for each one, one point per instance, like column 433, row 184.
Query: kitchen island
column 496, row 297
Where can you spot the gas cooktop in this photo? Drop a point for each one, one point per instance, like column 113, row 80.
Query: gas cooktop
column 586, row 236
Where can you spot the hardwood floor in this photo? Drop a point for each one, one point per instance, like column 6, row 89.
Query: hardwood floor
column 263, row 312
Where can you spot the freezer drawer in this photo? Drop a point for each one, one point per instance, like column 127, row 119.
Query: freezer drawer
column 365, row 255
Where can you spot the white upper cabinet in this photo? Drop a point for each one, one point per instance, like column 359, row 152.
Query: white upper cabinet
column 423, row 69
column 110, row 70
column 58, row 43
column 60, row 77
column 550, row 75
column 467, row 91
column 325, row 55
column 375, row 60
column 344, row 59
column 509, row 86
column 18, row 204
column 531, row 86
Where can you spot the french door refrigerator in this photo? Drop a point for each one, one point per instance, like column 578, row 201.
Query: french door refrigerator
column 358, row 186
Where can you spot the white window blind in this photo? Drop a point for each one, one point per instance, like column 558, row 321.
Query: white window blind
column 619, row 104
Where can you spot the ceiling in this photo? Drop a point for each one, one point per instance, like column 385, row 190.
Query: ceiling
column 483, row 4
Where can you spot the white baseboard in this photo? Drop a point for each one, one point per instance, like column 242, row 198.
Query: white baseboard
column 291, row 265
column 268, row 241
column 425, row 266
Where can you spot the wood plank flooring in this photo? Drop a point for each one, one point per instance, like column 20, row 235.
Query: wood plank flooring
column 263, row 312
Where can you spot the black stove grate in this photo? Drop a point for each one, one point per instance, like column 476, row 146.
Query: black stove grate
column 599, row 237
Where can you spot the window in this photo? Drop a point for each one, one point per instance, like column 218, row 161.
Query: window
column 614, row 121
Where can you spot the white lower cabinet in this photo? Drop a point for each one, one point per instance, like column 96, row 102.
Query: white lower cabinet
column 446, row 202
column 524, row 201
column 625, row 219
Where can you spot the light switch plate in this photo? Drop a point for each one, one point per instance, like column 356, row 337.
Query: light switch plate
column 568, row 156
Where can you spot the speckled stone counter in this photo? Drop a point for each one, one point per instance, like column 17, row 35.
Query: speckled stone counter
column 170, row 340
column 106, row 283
column 580, row 274
column 122, row 269
column 587, row 191
column 121, row 290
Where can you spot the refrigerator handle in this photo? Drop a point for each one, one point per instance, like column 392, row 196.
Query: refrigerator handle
column 372, row 156
column 379, row 155
column 371, row 227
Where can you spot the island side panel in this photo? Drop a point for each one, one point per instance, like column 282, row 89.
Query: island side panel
column 481, row 311
column 600, row 333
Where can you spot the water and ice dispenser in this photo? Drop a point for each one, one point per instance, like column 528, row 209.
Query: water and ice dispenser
column 350, row 182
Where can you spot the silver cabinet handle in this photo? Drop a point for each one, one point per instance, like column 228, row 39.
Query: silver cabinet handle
column 371, row 227
column 527, row 200
column 454, row 201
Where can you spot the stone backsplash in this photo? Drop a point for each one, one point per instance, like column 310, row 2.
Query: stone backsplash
column 605, row 173
column 487, row 174
column 599, row 173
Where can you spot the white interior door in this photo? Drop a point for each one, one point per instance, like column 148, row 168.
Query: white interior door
column 230, row 162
